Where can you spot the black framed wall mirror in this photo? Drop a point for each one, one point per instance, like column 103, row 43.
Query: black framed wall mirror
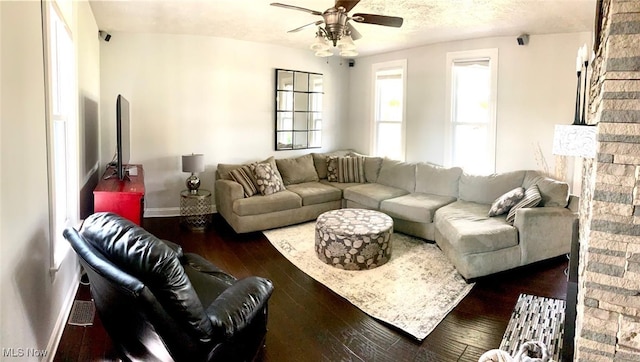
column 298, row 110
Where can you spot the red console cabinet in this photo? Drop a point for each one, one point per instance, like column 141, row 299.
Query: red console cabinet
column 125, row 198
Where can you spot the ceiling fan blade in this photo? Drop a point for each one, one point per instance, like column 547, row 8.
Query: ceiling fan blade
column 394, row 21
column 304, row 26
column 346, row 4
column 355, row 35
column 293, row 7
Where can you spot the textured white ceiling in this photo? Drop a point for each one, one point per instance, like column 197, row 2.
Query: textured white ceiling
column 425, row 21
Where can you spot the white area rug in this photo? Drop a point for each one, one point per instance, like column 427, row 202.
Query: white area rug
column 414, row 291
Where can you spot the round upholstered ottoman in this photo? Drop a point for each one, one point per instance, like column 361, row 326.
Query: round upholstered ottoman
column 354, row 239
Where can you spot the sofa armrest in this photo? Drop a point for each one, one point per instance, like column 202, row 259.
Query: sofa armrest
column 544, row 232
column 226, row 192
column 574, row 203
column 238, row 305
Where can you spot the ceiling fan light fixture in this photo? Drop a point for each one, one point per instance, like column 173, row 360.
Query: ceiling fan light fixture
column 348, row 53
column 320, row 43
column 346, row 43
column 324, row 53
column 337, row 30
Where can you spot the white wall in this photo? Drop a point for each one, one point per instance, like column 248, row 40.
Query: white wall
column 34, row 303
column 536, row 90
column 204, row 95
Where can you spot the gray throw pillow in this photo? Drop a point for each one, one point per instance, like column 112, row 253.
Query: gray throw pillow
column 297, row 170
column 531, row 199
column 504, row 203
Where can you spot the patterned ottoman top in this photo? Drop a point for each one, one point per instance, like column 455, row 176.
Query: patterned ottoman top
column 354, row 222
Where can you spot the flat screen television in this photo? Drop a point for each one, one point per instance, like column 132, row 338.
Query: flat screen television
column 122, row 136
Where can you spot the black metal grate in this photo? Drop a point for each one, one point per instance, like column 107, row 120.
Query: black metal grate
column 82, row 313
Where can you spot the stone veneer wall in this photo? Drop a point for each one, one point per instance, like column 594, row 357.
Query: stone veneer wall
column 608, row 321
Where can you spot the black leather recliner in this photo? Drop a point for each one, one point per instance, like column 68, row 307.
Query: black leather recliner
column 158, row 303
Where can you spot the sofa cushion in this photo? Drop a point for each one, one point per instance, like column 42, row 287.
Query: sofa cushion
column 244, row 176
column 370, row 195
column 417, row 207
column 554, row 193
column 268, row 180
column 351, row 169
column 224, row 170
column 531, row 199
column 469, row 230
column 504, row 203
column 315, row 193
column 297, row 170
column 398, row 174
column 485, row 189
column 256, row 205
column 432, row 179
column 340, row 185
column 372, row 166
column 320, row 161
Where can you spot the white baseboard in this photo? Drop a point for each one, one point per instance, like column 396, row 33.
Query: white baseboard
column 63, row 315
column 161, row 211
column 167, row 211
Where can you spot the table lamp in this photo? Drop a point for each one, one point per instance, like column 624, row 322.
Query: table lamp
column 193, row 163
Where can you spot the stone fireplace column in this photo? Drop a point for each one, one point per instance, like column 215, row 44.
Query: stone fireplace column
column 608, row 316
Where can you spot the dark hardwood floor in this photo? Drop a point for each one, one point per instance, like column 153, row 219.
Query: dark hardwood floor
column 308, row 322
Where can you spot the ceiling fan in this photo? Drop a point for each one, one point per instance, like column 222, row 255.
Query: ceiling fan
column 337, row 28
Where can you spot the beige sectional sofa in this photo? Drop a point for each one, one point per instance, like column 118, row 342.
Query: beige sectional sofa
column 444, row 205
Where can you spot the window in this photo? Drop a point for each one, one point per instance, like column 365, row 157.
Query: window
column 61, row 118
column 389, row 81
column 471, row 122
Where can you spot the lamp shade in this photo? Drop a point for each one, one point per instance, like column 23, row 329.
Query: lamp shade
column 323, row 53
column 319, row 44
column 570, row 140
column 346, row 43
column 193, row 163
column 348, row 53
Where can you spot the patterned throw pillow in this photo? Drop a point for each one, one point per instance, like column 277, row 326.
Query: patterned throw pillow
column 332, row 168
column 244, row 176
column 505, row 202
column 531, row 198
column 267, row 180
column 351, row 169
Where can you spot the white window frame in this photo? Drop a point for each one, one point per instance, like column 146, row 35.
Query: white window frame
column 481, row 54
column 375, row 68
column 61, row 115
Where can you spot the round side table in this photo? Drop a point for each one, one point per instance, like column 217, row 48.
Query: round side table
column 195, row 209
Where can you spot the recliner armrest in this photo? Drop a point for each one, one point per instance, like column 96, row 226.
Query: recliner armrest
column 203, row 265
column 175, row 247
column 236, row 307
